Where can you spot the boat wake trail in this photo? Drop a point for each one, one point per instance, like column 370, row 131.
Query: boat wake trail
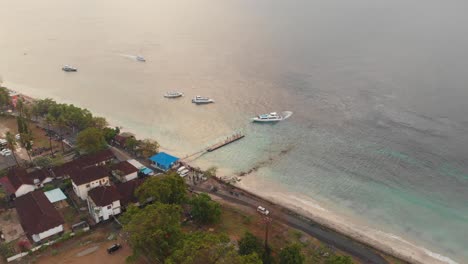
column 286, row 114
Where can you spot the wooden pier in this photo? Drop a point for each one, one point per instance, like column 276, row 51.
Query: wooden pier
column 227, row 141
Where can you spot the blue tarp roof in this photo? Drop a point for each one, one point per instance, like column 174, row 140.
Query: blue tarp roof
column 164, row 159
column 55, row 195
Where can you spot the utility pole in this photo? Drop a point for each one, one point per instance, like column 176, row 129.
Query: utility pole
column 267, row 220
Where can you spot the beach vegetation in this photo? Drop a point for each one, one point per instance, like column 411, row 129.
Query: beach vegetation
column 291, row 255
column 110, row 133
column 204, row 210
column 148, row 147
column 5, row 100
column 131, row 144
column 99, row 122
column 91, row 140
column 211, row 172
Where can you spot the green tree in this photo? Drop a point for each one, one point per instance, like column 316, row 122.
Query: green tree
column 5, row 99
column 11, row 144
column 43, row 162
column 202, row 247
column 99, row 122
column 91, row 140
column 110, row 133
column 291, row 255
column 211, row 172
column 131, row 144
column 204, row 210
column 250, row 244
column 154, row 231
column 26, row 140
column 168, row 189
column 339, row 260
column 148, row 148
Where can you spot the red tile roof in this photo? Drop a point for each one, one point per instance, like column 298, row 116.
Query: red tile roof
column 83, row 162
column 36, row 213
column 120, row 139
column 125, row 167
column 40, row 174
column 127, row 191
column 104, row 195
column 80, row 177
column 18, row 177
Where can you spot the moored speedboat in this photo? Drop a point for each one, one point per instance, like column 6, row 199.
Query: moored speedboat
column 69, row 68
column 140, row 58
column 173, row 94
column 272, row 117
column 202, row 100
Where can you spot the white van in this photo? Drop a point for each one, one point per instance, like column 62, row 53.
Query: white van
column 262, row 210
column 184, row 173
column 180, row 169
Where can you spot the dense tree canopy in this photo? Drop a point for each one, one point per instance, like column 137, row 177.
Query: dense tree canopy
column 204, row 210
column 249, row 244
column 202, row 247
column 110, row 133
column 91, row 140
column 168, row 189
column 154, row 231
column 291, row 255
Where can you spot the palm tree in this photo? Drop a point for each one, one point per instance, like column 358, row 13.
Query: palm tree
column 49, row 119
column 11, row 144
column 60, row 122
column 26, row 141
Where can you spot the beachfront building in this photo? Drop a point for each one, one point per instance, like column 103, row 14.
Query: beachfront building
column 38, row 216
column 127, row 192
column 163, row 161
column 87, row 179
column 103, row 203
column 124, row 171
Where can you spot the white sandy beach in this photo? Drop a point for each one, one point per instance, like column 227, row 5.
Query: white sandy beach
column 304, row 205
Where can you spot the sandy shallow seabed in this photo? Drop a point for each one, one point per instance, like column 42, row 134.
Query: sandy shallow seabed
column 304, row 205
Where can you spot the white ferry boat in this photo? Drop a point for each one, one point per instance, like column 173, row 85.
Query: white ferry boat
column 272, row 117
column 173, row 94
column 69, row 68
column 202, row 100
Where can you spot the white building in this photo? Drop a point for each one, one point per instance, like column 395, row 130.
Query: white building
column 38, row 216
column 87, row 179
column 17, row 182
column 125, row 171
column 103, row 203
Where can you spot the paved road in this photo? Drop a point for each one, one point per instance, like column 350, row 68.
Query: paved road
column 339, row 241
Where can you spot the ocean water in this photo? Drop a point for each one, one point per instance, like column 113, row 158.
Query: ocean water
column 378, row 89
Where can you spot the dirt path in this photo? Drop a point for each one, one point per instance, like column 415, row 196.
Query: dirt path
column 95, row 253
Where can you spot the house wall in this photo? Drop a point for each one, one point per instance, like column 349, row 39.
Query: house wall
column 131, row 176
column 24, row 189
column 82, row 190
column 105, row 212
column 48, row 233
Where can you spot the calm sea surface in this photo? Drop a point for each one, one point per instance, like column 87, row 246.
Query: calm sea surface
column 379, row 91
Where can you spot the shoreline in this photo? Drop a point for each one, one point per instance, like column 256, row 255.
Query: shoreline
column 325, row 218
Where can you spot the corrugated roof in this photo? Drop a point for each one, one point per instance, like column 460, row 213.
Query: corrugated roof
column 36, row 213
column 164, row 159
column 89, row 174
column 104, row 195
column 55, row 195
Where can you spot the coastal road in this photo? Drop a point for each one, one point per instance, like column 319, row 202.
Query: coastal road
column 281, row 214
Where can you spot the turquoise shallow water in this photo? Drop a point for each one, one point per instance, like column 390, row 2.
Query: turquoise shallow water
column 378, row 91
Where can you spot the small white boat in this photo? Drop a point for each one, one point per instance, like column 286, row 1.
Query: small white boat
column 140, row 58
column 272, row 117
column 202, row 100
column 69, row 68
column 173, row 94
